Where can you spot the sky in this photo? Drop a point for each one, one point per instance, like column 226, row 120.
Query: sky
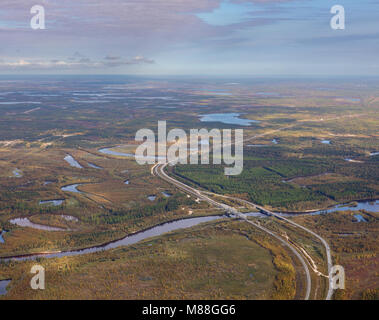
column 190, row 37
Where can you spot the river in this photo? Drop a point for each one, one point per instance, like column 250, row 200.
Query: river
column 128, row 240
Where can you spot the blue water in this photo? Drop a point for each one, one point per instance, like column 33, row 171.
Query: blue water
column 325, row 141
column 365, row 205
column 256, row 214
column 94, row 166
column 3, row 286
column 52, row 202
column 227, row 118
column 71, row 188
column 1, row 236
column 175, row 225
column 72, row 162
column 17, row 173
column 123, row 154
column 359, row 218
column 19, row 102
column 128, row 240
column 25, row 222
column 166, row 194
column 115, row 153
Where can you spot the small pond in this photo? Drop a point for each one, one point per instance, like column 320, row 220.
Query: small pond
column 55, row 203
column 359, row 218
column 72, row 188
column 73, row 163
column 3, row 286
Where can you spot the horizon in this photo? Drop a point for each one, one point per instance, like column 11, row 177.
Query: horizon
column 196, row 76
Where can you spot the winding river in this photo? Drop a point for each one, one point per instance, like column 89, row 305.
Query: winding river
column 370, row 206
column 128, row 240
column 158, row 230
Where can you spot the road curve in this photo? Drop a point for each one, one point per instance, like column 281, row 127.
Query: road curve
column 322, row 240
column 158, row 170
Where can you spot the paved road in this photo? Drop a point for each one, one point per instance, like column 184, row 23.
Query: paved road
column 158, row 170
column 322, row 240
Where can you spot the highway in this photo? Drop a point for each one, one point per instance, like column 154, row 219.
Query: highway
column 322, row 240
column 158, row 170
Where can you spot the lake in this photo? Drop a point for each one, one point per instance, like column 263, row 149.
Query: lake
column 57, row 202
column 25, row 222
column 17, row 173
column 227, row 118
column 359, row 218
column 73, row 163
column 1, row 236
column 72, row 188
column 111, row 152
column 3, row 286
column 166, row 194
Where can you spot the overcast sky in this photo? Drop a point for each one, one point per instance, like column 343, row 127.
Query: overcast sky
column 194, row 37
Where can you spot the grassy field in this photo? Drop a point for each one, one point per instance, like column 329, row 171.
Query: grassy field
column 214, row 261
column 354, row 246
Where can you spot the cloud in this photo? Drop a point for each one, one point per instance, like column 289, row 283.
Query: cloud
column 142, row 59
column 72, row 63
column 270, row 32
column 92, row 26
column 171, row 19
column 112, row 58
